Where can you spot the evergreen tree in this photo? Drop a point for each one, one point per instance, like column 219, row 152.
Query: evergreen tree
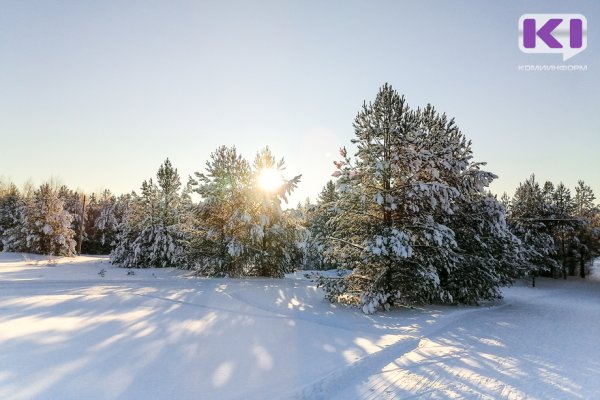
column 11, row 219
column 274, row 233
column 240, row 228
column 222, row 219
column 588, row 228
column 548, row 196
column 73, row 204
column 505, row 200
column 321, row 227
column 151, row 234
column 93, row 243
column 48, row 224
column 563, row 228
column 530, row 218
column 103, row 216
column 490, row 256
column 583, row 203
column 411, row 177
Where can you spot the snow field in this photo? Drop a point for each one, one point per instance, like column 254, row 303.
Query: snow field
column 68, row 333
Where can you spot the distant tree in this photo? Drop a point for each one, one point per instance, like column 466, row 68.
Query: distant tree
column 588, row 229
column 48, row 224
column 73, row 204
column 12, row 217
column 505, row 200
column 563, row 228
column 321, row 227
column 548, row 195
column 104, row 213
column 531, row 218
column 583, row 202
column 151, row 233
column 92, row 239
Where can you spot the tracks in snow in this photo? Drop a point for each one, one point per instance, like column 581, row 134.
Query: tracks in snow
column 327, row 386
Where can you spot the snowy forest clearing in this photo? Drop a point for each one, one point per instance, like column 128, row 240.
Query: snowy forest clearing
column 66, row 332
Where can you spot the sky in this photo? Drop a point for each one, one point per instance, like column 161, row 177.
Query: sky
column 98, row 94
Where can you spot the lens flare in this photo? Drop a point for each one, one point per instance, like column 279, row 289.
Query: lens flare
column 269, row 179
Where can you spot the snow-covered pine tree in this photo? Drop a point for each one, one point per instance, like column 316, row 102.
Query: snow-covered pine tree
column 73, row 204
column 152, row 235
column 320, row 225
column 530, row 217
column 308, row 256
column 548, row 197
column 487, row 254
column 382, row 211
column 588, row 228
column 412, row 172
column 274, row 233
column 221, row 222
column 584, row 199
column 128, row 228
column 563, row 227
column 12, row 216
column 91, row 243
column 48, row 224
column 240, row 228
column 505, row 200
column 103, row 216
column 490, row 256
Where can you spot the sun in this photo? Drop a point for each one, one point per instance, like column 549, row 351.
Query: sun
column 269, row 179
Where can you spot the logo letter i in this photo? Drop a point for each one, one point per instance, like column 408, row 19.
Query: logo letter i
column 576, row 33
column 529, row 33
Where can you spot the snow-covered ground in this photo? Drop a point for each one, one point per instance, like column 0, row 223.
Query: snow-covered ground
column 67, row 332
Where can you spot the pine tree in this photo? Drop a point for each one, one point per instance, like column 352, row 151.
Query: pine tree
column 530, row 218
column 274, row 233
column 12, row 216
column 321, row 227
column 411, row 175
column 548, row 196
column 221, row 221
column 103, row 216
column 588, row 228
column 583, row 202
column 240, row 228
column 490, row 255
column 563, row 228
column 73, row 204
column 48, row 224
column 151, row 234
column 505, row 200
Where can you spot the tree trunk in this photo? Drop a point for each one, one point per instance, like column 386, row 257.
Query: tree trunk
column 263, row 267
column 572, row 267
column 581, row 264
column 82, row 227
column 564, row 259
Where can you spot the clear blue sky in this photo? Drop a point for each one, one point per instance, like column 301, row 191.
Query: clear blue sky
column 99, row 93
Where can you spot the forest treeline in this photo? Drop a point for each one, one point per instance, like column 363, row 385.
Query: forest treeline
column 406, row 219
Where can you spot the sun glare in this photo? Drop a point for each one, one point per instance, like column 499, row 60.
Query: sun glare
column 269, row 179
